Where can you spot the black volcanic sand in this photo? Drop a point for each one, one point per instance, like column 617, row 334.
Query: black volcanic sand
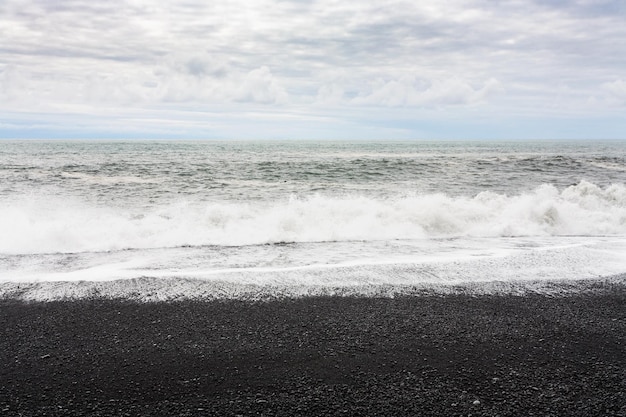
column 423, row 356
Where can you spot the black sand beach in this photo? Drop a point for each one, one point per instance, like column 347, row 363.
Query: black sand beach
column 423, row 356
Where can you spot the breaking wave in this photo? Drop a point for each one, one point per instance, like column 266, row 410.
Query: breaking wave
column 53, row 225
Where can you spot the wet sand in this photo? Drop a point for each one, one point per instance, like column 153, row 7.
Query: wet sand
column 488, row 355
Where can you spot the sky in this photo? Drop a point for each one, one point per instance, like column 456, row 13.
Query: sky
column 325, row 69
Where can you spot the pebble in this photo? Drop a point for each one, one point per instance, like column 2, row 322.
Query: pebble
column 88, row 369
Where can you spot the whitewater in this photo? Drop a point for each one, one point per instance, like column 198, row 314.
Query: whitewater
column 214, row 219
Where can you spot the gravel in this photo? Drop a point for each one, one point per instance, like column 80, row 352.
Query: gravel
column 453, row 355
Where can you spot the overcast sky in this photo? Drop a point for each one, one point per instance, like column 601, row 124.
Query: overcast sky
column 313, row 69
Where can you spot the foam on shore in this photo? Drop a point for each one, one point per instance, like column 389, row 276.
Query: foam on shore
column 153, row 289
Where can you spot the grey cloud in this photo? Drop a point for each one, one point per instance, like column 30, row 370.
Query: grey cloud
column 402, row 53
column 69, row 52
column 584, row 8
column 206, row 66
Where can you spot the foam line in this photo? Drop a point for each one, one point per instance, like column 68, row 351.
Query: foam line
column 34, row 226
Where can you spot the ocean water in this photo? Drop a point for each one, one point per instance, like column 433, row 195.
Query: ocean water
column 171, row 219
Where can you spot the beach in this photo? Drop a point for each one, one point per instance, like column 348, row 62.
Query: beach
column 308, row 278
column 312, row 208
column 430, row 355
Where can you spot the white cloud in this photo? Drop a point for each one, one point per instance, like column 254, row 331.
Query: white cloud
column 615, row 92
column 439, row 93
column 307, row 56
column 260, row 86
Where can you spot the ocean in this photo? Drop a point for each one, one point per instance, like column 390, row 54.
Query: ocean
column 239, row 219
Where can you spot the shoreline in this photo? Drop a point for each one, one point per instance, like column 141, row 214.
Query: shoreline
column 437, row 355
column 149, row 289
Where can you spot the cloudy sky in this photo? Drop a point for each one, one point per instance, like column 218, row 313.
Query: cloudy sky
column 313, row 69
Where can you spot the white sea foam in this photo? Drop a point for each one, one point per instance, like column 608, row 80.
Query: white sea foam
column 241, row 220
column 493, row 265
column 52, row 225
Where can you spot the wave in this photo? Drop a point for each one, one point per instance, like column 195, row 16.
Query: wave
column 52, row 225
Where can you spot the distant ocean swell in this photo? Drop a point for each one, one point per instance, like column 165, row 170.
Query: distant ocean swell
column 37, row 225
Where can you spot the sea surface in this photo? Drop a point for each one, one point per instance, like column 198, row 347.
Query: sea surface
column 226, row 218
